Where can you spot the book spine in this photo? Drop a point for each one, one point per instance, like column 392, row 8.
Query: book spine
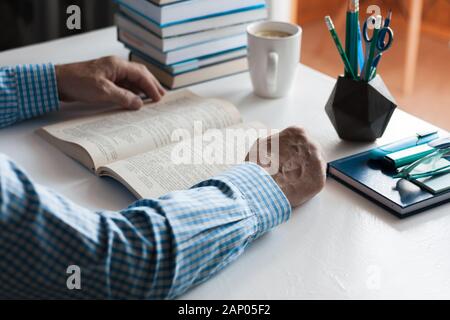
column 165, row 18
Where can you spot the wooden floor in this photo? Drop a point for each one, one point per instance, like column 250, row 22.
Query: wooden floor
column 431, row 97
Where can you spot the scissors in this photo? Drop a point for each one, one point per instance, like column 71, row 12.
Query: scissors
column 381, row 41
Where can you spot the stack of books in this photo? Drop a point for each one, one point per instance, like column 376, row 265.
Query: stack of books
column 191, row 41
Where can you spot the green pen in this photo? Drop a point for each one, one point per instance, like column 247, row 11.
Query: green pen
column 338, row 44
column 373, row 46
column 348, row 38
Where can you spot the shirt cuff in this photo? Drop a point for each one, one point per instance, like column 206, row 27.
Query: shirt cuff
column 37, row 91
column 263, row 195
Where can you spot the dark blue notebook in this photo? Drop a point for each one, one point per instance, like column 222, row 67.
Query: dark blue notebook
column 366, row 174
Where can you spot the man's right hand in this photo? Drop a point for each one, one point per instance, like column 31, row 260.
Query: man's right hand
column 301, row 172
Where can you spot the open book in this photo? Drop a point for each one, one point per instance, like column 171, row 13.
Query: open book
column 160, row 148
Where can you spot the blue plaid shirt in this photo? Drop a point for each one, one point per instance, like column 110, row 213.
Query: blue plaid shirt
column 154, row 249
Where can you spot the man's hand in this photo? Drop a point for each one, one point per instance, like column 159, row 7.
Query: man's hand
column 301, row 171
column 107, row 80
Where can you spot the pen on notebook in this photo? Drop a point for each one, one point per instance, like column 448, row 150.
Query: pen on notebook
column 348, row 67
column 418, row 139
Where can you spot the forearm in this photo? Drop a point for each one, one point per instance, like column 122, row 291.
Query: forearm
column 211, row 224
column 155, row 249
column 27, row 91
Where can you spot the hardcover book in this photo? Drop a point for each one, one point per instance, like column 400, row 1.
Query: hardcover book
column 174, row 30
column 183, row 54
column 193, row 76
column 185, row 11
column 174, row 43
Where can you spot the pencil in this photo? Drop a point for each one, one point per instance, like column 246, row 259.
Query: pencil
column 348, row 68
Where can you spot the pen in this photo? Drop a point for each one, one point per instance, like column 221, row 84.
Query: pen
column 418, row 139
column 360, row 49
column 348, row 67
column 387, row 21
column 373, row 44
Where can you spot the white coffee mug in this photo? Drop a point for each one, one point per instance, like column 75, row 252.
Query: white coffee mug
column 273, row 61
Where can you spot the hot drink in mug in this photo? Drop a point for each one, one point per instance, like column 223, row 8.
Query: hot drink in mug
column 273, row 56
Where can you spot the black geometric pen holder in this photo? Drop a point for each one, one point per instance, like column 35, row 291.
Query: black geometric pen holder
column 360, row 111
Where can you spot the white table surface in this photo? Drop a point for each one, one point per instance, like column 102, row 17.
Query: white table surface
column 339, row 245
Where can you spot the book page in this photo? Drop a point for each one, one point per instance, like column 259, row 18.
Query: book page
column 180, row 166
column 119, row 134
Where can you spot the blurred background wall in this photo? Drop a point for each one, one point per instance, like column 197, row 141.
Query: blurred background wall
column 416, row 68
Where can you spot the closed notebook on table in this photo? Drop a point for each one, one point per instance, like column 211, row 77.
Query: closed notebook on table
column 365, row 174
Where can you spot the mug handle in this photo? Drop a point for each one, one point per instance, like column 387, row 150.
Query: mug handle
column 272, row 72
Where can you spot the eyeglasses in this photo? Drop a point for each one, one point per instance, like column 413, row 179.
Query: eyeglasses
column 431, row 165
